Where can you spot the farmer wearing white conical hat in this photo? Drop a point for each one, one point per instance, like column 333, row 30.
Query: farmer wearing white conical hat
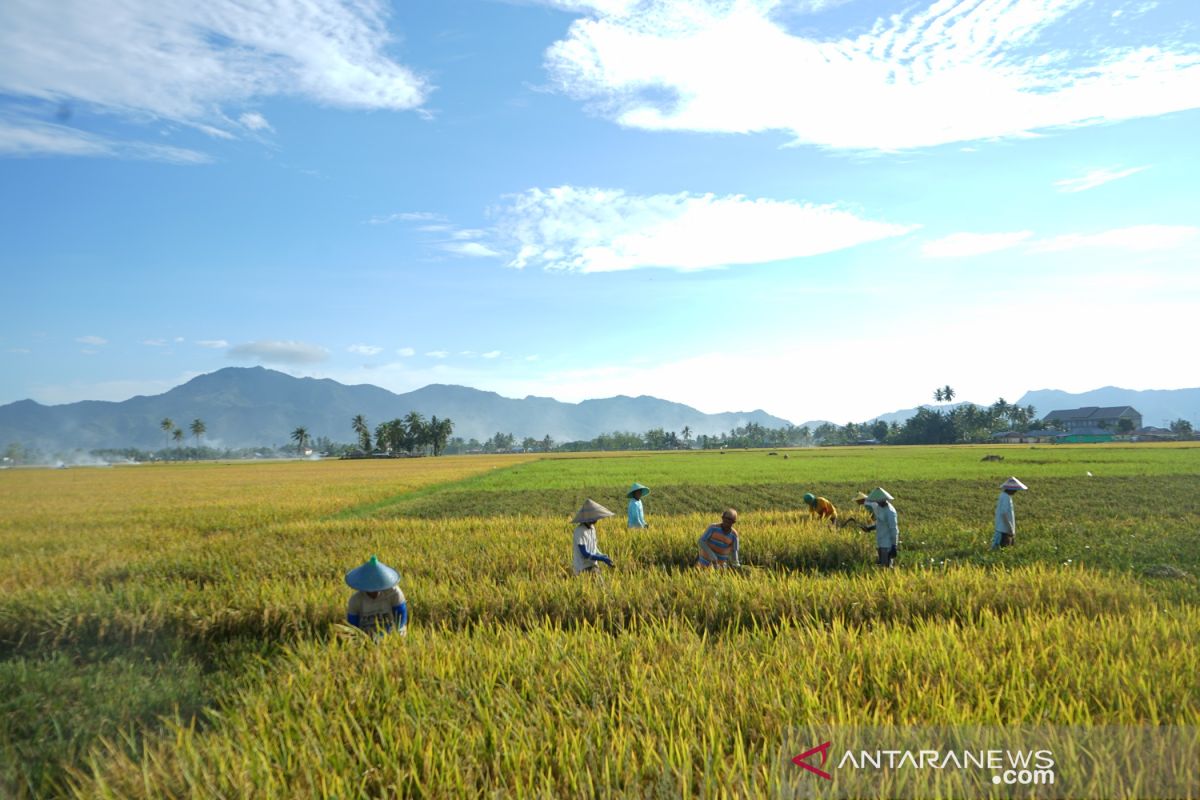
column 378, row 606
column 637, row 516
column 1006, row 521
column 587, row 555
column 886, row 527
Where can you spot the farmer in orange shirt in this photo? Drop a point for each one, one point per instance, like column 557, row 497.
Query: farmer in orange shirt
column 820, row 507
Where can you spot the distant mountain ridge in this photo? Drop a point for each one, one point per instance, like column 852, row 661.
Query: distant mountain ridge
column 257, row 407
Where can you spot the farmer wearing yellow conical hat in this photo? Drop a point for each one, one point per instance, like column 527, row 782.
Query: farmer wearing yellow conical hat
column 637, row 516
column 378, row 606
column 1006, row 521
column 587, row 555
column 820, row 508
column 886, row 527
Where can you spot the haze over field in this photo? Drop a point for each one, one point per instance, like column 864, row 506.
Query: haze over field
column 819, row 208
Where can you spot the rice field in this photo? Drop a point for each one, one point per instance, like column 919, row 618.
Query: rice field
column 175, row 630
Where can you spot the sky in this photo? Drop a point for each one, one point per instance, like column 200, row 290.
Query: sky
column 824, row 209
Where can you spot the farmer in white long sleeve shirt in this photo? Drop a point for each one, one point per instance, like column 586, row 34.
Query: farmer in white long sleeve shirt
column 1006, row 521
column 887, row 527
column 586, row 553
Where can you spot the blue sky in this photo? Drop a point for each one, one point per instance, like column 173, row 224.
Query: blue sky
column 821, row 208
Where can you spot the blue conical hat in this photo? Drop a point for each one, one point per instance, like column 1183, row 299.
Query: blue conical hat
column 637, row 487
column 1013, row 483
column 373, row 576
column 879, row 493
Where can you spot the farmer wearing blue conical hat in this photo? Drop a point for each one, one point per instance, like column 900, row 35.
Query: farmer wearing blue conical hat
column 1006, row 521
column 586, row 553
column 886, row 527
column 820, row 507
column 637, row 517
column 378, row 606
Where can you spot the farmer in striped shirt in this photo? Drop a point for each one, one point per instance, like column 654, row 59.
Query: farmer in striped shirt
column 719, row 544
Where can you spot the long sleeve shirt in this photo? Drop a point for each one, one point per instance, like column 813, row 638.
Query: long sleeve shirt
column 637, row 519
column 823, row 509
column 1006, row 521
column 887, row 527
column 585, row 553
column 386, row 611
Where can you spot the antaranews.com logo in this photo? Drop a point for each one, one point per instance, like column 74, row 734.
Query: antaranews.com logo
column 1008, row 767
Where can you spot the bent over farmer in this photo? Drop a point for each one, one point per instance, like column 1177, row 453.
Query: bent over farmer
column 719, row 544
column 1006, row 521
column 378, row 606
column 821, row 508
column 586, row 553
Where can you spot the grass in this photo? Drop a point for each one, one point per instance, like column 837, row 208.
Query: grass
column 175, row 630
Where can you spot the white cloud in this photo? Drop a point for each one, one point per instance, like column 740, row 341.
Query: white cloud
column 92, row 340
column 147, row 59
column 215, row 344
column 960, row 245
column 491, row 354
column 437, row 353
column 406, row 216
column 364, row 349
column 1094, row 178
column 279, row 352
column 1138, row 238
column 602, row 230
column 21, row 351
column 471, row 249
column 254, row 121
column 28, row 137
column 155, row 342
column 951, row 71
column 406, row 352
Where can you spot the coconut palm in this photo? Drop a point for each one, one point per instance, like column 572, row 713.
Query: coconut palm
column 415, row 430
column 938, row 395
column 177, row 435
column 364, row 433
column 948, row 393
column 197, row 428
column 300, row 437
column 167, row 426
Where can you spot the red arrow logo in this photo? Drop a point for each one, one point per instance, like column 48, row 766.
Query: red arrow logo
column 801, row 760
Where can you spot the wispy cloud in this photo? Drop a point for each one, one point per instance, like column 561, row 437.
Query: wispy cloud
column 603, row 230
column 29, row 137
column 1094, row 178
column 279, row 352
column 95, row 341
column 405, row 352
column 155, row 342
column 145, row 60
column 960, row 245
column 364, row 349
column 470, row 249
column 21, row 351
column 1137, row 238
column 491, row 354
column 947, row 71
column 438, row 353
column 405, row 216
column 215, row 344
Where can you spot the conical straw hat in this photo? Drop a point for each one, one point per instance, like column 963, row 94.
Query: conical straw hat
column 878, row 493
column 637, row 487
column 1013, row 483
column 373, row 576
column 591, row 511
column 858, row 497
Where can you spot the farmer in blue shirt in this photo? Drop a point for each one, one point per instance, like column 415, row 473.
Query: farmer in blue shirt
column 637, row 517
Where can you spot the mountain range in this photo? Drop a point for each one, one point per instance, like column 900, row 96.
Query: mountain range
column 257, row 407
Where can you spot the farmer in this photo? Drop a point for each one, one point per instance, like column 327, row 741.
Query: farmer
column 637, row 518
column 1006, row 522
column 586, row 553
column 886, row 527
column 719, row 543
column 821, row 508
column 378, row 606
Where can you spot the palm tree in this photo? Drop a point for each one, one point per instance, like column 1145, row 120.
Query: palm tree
column 177, row 435
column 440, row 430
column 198, row 429
column 414, row 430
column 300, row 437
column 167, row 426
column 947, row 393
column 686, row 433
column 938, row 395
column 364, row 433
